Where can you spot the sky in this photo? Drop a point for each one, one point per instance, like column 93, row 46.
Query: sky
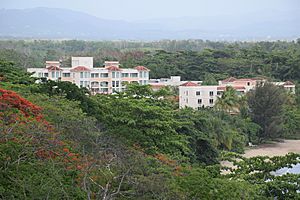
column 134, row 10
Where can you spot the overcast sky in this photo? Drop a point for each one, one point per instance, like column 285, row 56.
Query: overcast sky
column 148, row 9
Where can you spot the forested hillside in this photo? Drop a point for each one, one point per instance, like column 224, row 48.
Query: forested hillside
column 191, row 59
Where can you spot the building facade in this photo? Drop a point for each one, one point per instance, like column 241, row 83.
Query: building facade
column 108, row 79
column 198, row 96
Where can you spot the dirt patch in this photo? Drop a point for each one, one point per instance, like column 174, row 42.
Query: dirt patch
column 275, row 149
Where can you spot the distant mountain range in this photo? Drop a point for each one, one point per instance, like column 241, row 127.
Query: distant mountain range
column 54, row 23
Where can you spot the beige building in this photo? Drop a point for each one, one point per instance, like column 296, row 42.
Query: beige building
column 108, row 79
column 197, row 96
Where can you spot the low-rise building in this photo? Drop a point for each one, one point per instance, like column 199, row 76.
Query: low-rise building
column 247, row 83
column 198, row 96
column 108, row 79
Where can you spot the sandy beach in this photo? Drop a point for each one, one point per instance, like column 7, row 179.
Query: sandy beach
column 275, row 149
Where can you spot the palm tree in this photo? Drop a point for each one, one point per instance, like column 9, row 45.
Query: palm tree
column 229, row 101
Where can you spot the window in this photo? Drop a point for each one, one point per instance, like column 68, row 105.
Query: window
column 199, row 101
column 40, row 74
column 187, row 93
column 81, row 74
column 104, row 84
column 117, row 74
column 219, row 93
column 86, row 74
column 46, row 74
column 104, row 75
column 125, row 75
column 113, row 74
column 141, row 74
column 95, row 84
column 81, row 83
column 95, row 75
column 115, row 83
column 211, row 101
column 197, row 93
column 53, row 74
column 57, row 74
column 134, row 75
column 66, row 75
column 211, row 93
column 145, row 74
column 141, row 82
column 248, row 83
column 145, row 82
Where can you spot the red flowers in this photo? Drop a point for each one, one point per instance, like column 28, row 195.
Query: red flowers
column 14, row 108
column 10, row 99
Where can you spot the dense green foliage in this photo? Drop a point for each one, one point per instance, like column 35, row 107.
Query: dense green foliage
column 60, row 142
column 192, row 59
column 262, row 171
column 266, row 108
column 9, row 73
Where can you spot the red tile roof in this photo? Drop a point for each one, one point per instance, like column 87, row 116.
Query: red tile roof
column 113, row 68
column 189, row 83
column 54, row 68
column 232, row 79
column 141, row 68
column 288, row 83
column 80, row 68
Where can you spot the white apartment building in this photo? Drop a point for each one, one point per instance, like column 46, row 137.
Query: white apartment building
column 108, row 79
column 197, row 96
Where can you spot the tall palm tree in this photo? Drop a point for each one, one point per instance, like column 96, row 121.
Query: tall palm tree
column 229, row 101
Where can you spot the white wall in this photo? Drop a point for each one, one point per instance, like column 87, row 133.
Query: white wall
column 82, row 61
column 188, row 96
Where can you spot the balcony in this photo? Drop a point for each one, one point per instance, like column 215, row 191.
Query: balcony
column 95, row 84
column 104, row 84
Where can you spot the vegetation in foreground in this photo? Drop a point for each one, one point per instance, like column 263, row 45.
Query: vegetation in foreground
column 59, row 142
